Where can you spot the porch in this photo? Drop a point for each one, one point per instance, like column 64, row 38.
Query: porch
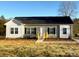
column 47, row 32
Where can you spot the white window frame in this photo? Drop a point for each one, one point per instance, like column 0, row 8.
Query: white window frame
column 14, row 30
column 65, row 30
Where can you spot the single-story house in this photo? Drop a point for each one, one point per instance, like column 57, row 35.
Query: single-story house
column 33, row 27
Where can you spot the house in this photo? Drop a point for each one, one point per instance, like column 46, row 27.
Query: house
column 31, row 27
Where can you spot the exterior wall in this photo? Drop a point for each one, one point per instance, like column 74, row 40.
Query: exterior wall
column 13, row 25
column 21, row 28
column 68, row 31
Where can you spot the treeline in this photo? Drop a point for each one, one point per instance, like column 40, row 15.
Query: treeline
column 2, row 27
column 76, row 27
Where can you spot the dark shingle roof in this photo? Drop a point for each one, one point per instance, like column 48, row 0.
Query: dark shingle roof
column 45, row 20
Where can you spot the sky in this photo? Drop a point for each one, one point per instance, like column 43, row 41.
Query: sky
column 11, row 9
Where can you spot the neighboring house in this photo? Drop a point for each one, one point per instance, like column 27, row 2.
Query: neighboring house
column 30, row 27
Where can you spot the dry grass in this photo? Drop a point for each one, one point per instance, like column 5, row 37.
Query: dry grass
column 24, row 47
column 17, row 42
column 30, row 42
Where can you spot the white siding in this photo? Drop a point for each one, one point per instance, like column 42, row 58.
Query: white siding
column 61, row 31
column 10, row 25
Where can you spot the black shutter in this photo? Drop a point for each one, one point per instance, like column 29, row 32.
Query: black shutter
column 35, row 30
column 25, row 30
column 54, row 30
column 48, row 30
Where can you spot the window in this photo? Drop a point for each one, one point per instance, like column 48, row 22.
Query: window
column 33, row 30
column 12, row 31
column 27, row 31
column 64, row 30
column 16, row 30
column 30, row 30
column 51, row 30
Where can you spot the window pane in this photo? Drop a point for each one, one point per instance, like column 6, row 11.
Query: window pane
column 27, row 30
column 64, row 30
column 16, row 30
column 33, row 30
column 30, row 30
column 51, row 30
column 12, row 30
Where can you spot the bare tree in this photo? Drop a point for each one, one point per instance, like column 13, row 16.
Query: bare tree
column 67, row 8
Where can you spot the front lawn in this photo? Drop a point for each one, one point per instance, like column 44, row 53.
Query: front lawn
column 24, row 48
